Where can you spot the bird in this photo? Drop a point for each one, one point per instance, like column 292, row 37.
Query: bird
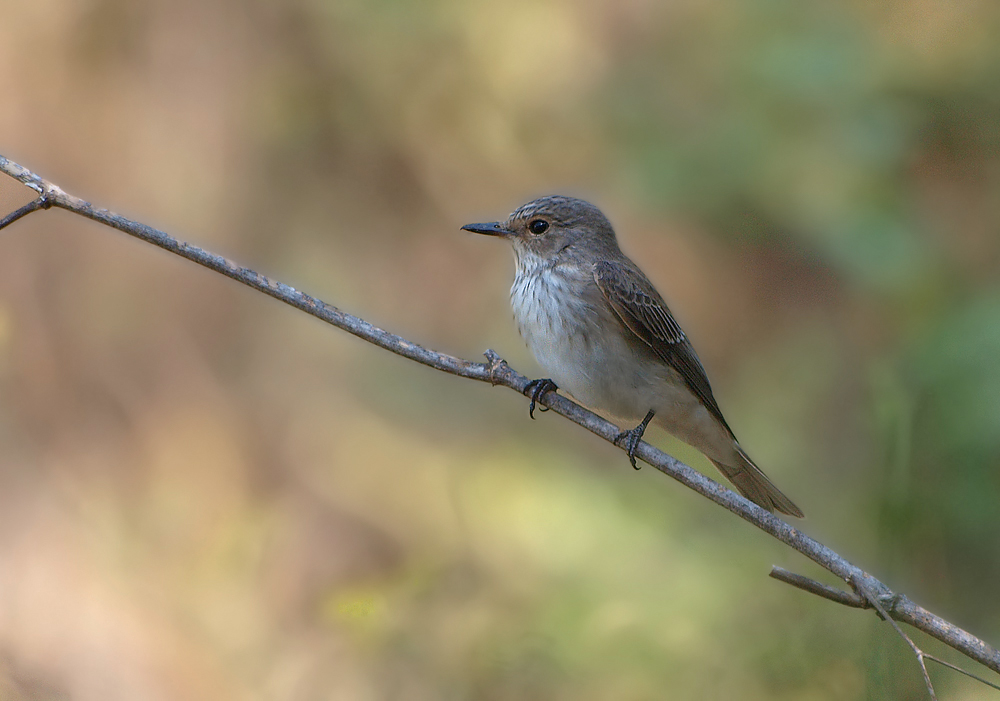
column 599, row 328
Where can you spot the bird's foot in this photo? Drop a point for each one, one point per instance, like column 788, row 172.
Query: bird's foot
column 535, row 389
column 630, row 439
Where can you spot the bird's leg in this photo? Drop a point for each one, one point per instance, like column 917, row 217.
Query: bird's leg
column 633, row 437
column 535, row 389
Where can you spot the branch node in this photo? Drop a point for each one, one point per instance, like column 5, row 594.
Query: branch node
column 891, row 603
column 866, row 595
column 496, row 366
column 863, row 591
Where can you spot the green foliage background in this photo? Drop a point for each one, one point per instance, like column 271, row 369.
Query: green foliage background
column 206, row 495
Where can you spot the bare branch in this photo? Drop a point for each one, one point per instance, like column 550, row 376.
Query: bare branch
column 35, row 204
column 856, row 601
column 817, row 588
column 958, row 669
column 497, row 372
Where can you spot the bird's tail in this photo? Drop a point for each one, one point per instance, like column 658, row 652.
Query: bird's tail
column 755, row 486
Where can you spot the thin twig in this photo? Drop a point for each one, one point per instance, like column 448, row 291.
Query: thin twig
column 35, row 204
column 497, row 372
column 958, row 669
column 862, row 590
column 819, row 589
column 855, row 601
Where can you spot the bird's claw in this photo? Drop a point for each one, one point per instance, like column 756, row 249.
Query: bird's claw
column 535, row 389
column 632, row 438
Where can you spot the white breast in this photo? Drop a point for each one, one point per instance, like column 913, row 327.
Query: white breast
column 579, row 345
column 557, row 325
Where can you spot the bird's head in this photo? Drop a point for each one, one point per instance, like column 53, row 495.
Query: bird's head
column 553, row 226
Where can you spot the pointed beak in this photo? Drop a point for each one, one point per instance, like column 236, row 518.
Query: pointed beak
column 493, row 228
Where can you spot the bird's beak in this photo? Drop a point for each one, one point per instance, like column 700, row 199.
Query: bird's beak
column 493, row 228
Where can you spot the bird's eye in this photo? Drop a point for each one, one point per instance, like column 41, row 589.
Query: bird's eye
column 538, row 226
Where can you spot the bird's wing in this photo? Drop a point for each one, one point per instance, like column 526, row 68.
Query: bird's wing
column 643, row 311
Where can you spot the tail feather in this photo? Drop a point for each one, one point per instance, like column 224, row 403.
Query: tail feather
column 755, row 486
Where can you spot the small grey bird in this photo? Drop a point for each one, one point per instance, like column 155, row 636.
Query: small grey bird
column 597, row 325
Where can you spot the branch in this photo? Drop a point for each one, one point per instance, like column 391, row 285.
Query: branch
column 814, row 587
column 497, row 372
column 864, row 599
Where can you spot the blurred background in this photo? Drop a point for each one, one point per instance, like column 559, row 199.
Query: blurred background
column 205, row 494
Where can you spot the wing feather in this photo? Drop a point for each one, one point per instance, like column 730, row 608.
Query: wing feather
column 643, row 311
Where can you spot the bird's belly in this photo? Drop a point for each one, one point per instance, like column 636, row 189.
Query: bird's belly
column 613, row 376
column 602, row 370
column 587, row 353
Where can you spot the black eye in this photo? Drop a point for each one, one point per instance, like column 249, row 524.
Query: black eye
column 538, row 226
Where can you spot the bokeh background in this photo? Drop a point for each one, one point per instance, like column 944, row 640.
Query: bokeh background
column 207, row 495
